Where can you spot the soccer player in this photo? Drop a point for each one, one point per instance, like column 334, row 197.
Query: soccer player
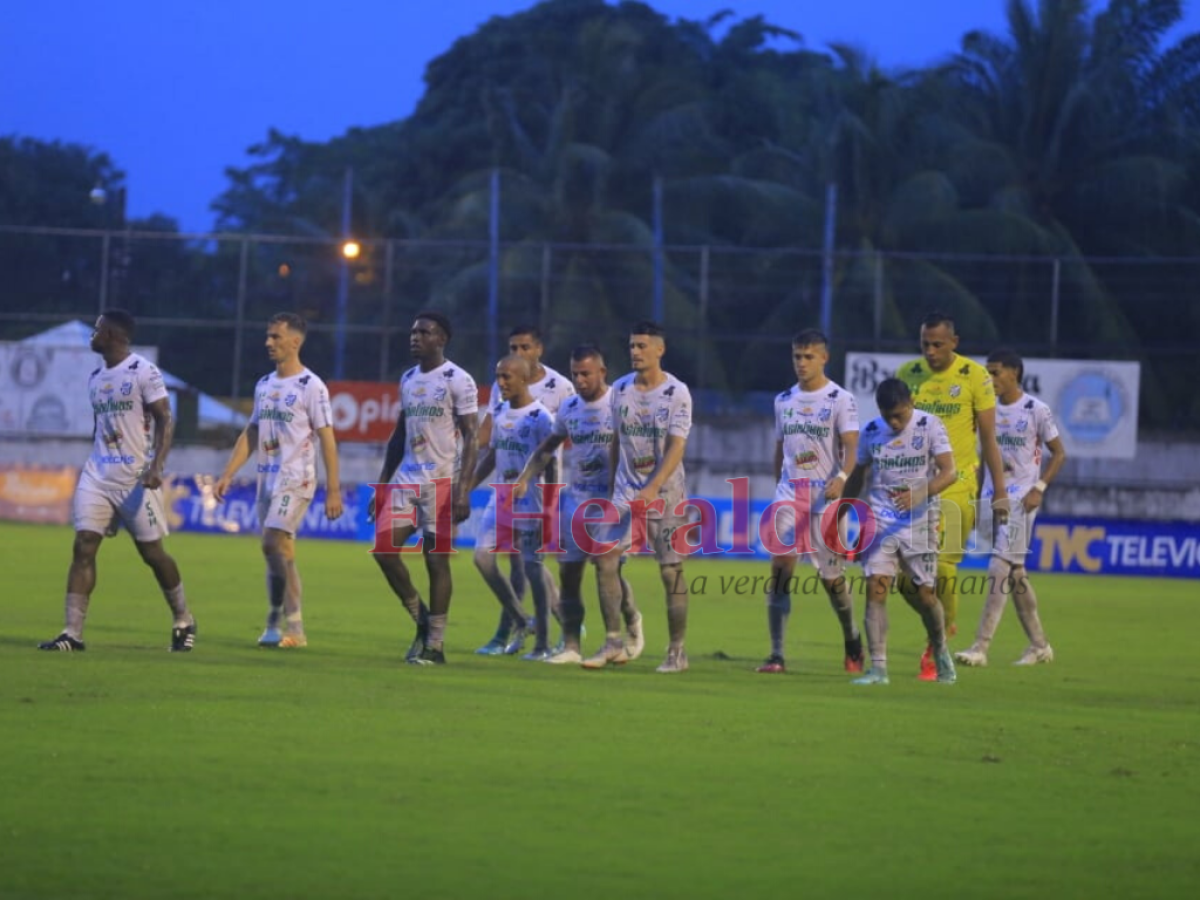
column 520, row 424
column 550, row 388
column 816, row 438
column 122, row 480
column 1023, row 425
column 438, row 421
column 291, row 414
column 586, row 419
column 652, row 415
column 909, row 460
column 959, row 392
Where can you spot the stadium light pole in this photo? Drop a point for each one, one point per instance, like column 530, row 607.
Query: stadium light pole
column 348, row 251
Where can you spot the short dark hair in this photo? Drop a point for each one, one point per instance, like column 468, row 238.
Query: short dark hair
column 809, row 337
column 936, row 317
column 122, row 320
column 647, row 327
column 1010, row 359
column 587, row 351
column 294, row 321
column 532, row 330
column 439, row 320
column 892, row 392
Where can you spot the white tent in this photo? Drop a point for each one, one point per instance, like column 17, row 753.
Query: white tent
column 75, row 334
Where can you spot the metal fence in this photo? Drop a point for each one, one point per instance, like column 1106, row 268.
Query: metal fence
column 729, row 312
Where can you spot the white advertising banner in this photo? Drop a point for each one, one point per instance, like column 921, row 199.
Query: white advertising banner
column 1094, row 401
column 43, row 390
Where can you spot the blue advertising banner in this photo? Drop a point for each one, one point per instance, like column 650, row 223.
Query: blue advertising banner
column 1079, row 545
column 1115, row 547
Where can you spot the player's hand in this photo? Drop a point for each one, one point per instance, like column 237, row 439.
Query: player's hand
column 520, row 488
column 221, row 487
column 1033, row 500
column 461, row 508
column 1000, row 507
column 153, row 478
column 333, row 504
column 834, row 488
column 647, row 494
column 371, row 508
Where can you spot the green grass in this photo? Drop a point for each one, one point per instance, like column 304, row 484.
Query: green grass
column 338, row 771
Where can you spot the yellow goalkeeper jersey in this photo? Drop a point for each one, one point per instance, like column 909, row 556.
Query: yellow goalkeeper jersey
column 954, row 395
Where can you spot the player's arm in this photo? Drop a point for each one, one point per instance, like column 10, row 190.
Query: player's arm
column 919, row 492
column 394, row 452
column 333, row 481
column 485, row 429
column 778, row 460
column 487, row 462
column 1058, row 456
column 164, row 431
column 614, row 457
column 542, row 457
column 672, row 456
column 837, row 484
column 855, row 483
column 241, row 452
column 468, row 427
column 985, row 421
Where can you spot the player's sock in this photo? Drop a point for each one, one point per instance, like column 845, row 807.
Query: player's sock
column 876, row 625
column 629, row 610
column 501, row 587
column 1025, row 603
column 842, row 602
column 947, row 589
column 934, row 618
column 437, row 631
column 1000, row 585
column 177, row 600
column 779, row 607
column 610, row 586
column 292, row 598
column 541, row 604
column 75, row 608
column 276, row 588
column 572, row 621
column 415, row 607
column 553, row 600
column 677, row 605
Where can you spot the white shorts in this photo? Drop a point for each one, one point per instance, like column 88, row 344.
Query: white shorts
column 424, row 504
column 138, row 508
column 652, row 531
column 282, row 510
column 908, row 547
column 526, row 540
column 830, row 565
column 1012, row 538
column 572, row 552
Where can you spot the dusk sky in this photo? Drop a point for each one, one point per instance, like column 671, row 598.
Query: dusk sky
column 176, row 91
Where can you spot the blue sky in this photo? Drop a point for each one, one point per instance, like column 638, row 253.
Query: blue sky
column 175, row 90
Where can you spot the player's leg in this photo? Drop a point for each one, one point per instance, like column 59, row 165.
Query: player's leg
column 431, row 638
column 831, row 568
column 280, row 515
column 399, row 578
column 609, row 588
column 956, row 522
column 635, row 638
column 487, row 561
column 570, row 573
column 675, row 587
column 81, row 581
column 875, row 619
column 1026, row 605
column 921, row 567
column 1000, row 586
column 535, row 573
column 779, row 609
column 144, row 517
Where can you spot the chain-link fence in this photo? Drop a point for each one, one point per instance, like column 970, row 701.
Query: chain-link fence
column 729, row 312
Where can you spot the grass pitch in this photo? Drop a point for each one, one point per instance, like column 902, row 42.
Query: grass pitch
column 338, row 771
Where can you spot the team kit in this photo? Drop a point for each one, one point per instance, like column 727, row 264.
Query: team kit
column 586, row 472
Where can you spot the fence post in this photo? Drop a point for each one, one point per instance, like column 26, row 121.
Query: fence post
column 240, row 319
column 659, row 304
column 544, row 311
column 1055, row 296
column 878, row 298
column 702, row 361
column 831, row 199
column 105, row 253
column 385, row 313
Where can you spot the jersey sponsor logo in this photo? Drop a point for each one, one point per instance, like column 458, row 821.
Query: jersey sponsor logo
column 806, row 459
column 807, row 428
column 1005, row 439
column 591, row 437
column 112, row 407
column 268, row 468
column 643, row 463
column 424, row 411
column 512, row 446
column 115, row 459
column 271, row 414
column 270, row 446
column 417, row 442
column 635, row 429
column 938, row 408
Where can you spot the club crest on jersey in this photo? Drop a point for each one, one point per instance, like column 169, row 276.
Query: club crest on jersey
column 524, row 431
column 127, row 389
column 439, row 394
column 955, row 390
column 1022, row 425
column 918, row 442
column 289, row 399
column 826, row 414
column 662, row 414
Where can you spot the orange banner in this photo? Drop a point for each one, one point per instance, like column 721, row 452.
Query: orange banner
column 37, row 495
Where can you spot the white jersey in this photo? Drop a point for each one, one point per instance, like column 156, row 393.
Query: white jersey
column 122, row 447
column 288, row 413
column 550, row 391
column 810, row 425
column 516, row 434
column 1021, row 430
column 898, row 459
column 589, row 426
column 644, row 420
column 431, row 402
